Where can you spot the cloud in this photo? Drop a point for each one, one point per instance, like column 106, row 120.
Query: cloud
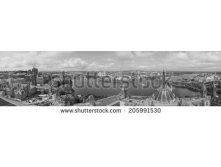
column 111, row 60
column 73, row 63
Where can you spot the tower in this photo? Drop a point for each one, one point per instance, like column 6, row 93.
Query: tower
column 214, row 89
column 34, row 76
column 91, row 100
column 164, row 76
column 124, row 92
column 63, row 79
column 63, row 75
column 204, row 90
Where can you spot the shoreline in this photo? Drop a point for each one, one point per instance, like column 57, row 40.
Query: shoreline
column 3, row 102
column 12, row 102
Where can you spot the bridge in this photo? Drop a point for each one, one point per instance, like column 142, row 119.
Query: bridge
column 109, row 101
column 197, row 87
column 190, row 86
column 193, row 87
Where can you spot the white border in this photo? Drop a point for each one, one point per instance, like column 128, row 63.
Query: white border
column 184, row 137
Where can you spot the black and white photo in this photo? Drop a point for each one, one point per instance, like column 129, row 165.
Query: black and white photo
column 110, row 78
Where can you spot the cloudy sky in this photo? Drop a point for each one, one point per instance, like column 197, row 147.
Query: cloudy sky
column 111, row 60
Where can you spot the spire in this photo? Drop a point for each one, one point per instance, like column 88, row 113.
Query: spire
column 164, row 78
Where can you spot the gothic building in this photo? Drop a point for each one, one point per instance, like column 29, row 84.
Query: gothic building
column 164, row 94
column 216, row 100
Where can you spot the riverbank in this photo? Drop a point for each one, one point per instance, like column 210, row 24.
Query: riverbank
column 5, row 103
column 9, row 102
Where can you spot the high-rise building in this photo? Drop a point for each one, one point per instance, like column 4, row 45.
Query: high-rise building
column 34, row 76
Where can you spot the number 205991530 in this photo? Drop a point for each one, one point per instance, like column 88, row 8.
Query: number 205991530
column 144, row 110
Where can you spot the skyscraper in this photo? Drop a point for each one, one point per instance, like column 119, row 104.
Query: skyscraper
column 34, row 76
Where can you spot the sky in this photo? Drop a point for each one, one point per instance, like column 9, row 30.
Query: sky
column 110, row 60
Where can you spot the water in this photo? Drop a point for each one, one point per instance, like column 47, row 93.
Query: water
column 5, row 103
column 183, row 92
column 139, row 91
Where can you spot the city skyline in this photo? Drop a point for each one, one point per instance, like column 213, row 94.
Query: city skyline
column 111, row 60
column 102, row 88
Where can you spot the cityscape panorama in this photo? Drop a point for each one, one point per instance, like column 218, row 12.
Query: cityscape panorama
column 110, row 78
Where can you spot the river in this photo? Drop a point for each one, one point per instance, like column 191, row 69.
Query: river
column 100, row 91
column 5, row 103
